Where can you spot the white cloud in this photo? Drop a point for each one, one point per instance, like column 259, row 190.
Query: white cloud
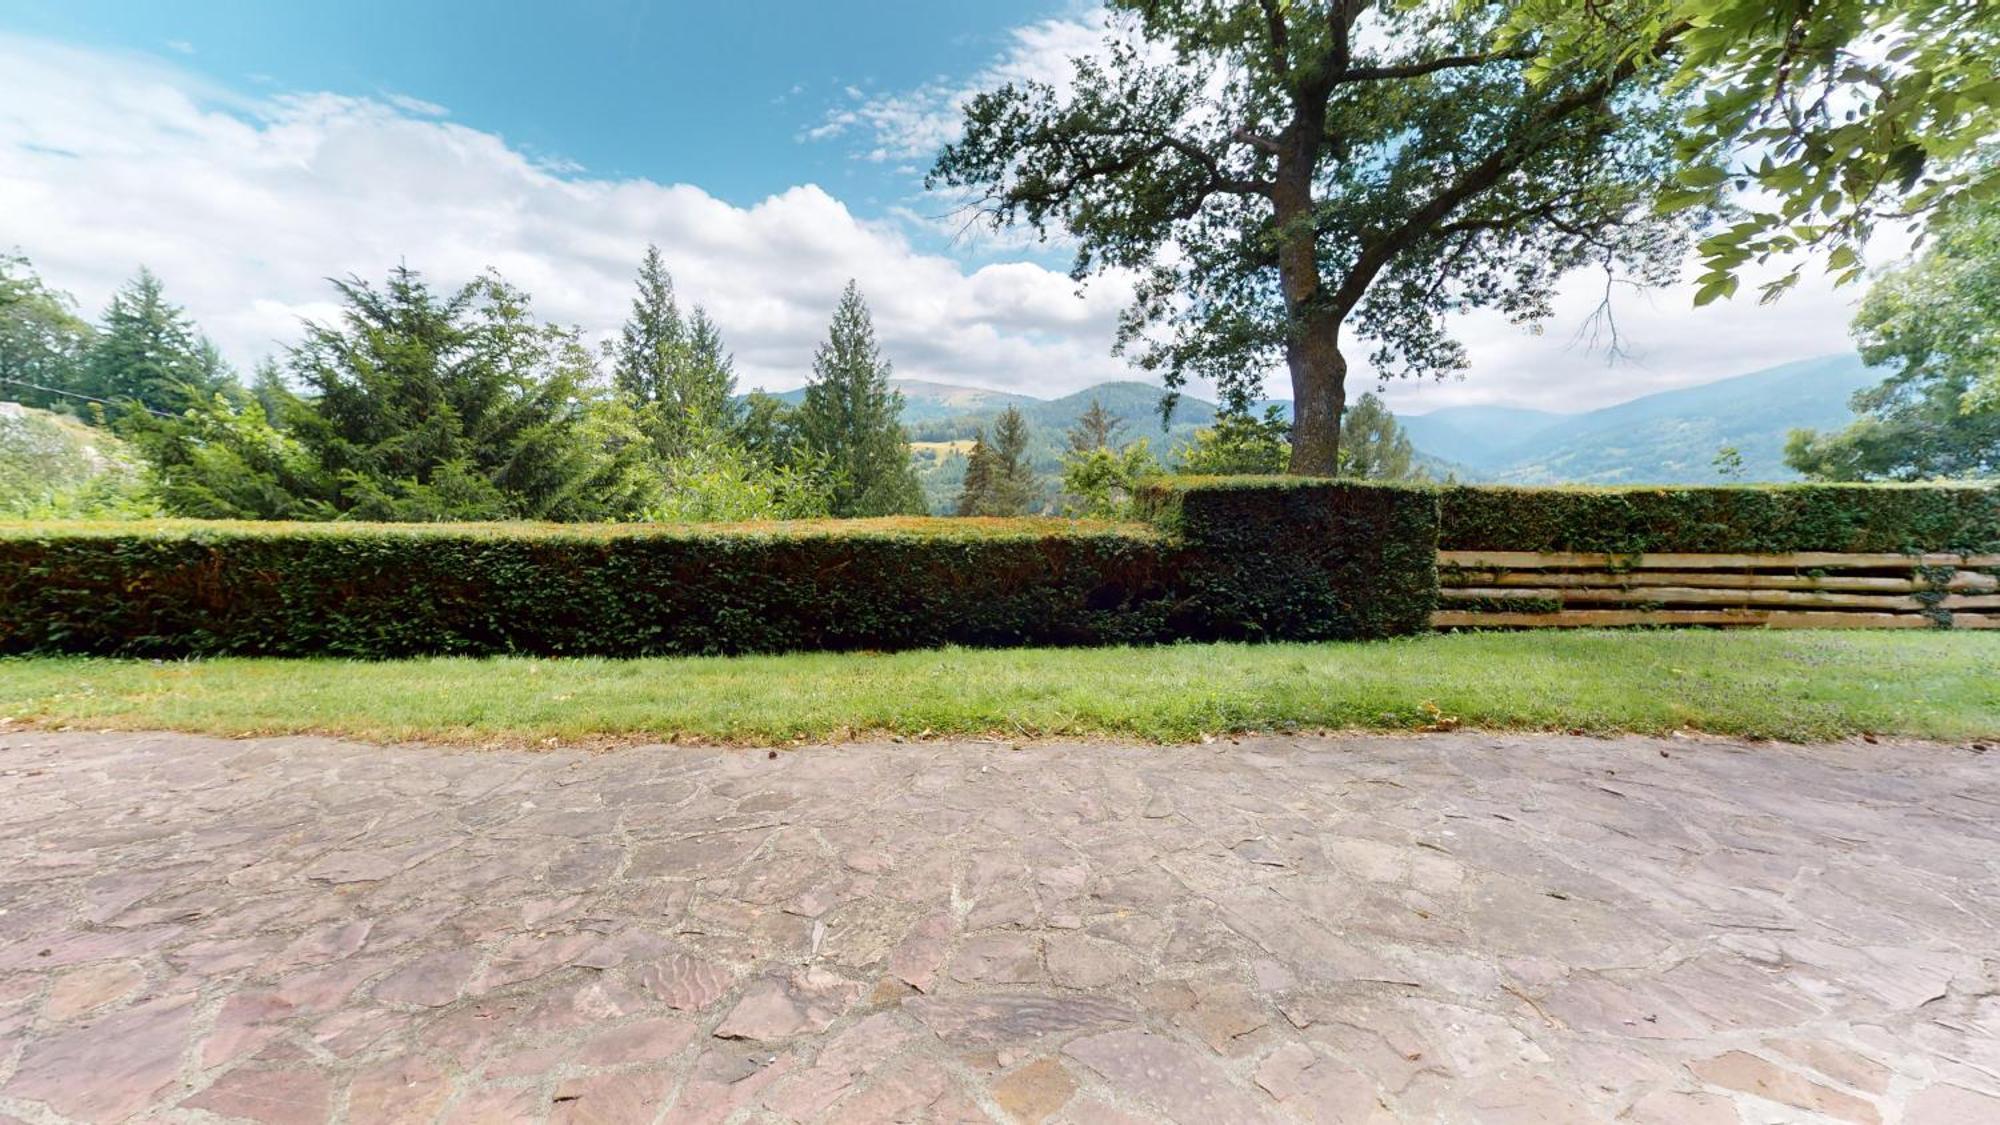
column 914, row 124
column 245, row 206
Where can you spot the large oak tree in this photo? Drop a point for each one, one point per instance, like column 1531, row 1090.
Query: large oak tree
column 1288, row 175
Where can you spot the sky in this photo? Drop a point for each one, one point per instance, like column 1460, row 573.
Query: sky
column 247, row 151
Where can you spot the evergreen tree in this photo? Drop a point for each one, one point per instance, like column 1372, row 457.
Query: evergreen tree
column 851, row 418
column 1095, row 428
column 674, row 367
column 430, row 408
column 1373, row 445
column 42, row 340
column 998, row 478
column 978, row 484
column 149, row 354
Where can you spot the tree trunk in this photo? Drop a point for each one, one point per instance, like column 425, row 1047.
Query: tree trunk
column 1312, row 339
column 1319, row 395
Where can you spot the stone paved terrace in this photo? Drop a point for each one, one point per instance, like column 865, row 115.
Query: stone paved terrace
column 1454, row 928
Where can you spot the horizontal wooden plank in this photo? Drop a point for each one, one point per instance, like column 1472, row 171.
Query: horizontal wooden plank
column 1975, row 620
column 1971, row 601
column 1681, row 595
column 1715, row 579
column 1612, row 618
column 1801, row 560
column 1595, row 618
column 1981, row 560
column 1972, row 580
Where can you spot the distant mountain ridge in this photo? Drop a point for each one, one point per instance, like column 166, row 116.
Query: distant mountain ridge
column 1669, row 437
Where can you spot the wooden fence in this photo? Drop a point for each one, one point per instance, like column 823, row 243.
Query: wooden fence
column 1808, row 590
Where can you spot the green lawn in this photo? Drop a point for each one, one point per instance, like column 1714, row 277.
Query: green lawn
column 1796, row 686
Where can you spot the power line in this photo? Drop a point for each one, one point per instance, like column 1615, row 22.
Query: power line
column 84, row 397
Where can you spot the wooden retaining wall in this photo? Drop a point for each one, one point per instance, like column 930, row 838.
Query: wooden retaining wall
column 1806, row 590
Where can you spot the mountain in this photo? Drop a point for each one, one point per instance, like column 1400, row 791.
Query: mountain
column 932, row 402
column 1673, row 437
column 1477, row 437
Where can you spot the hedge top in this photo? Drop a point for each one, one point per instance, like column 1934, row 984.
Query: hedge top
column 981, row 529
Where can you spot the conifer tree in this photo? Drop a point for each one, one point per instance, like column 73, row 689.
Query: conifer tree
column 972, row 494
column 998, row 478
column 672, row 366
column 1096, row 428
column 149, row 354
column 851, row 418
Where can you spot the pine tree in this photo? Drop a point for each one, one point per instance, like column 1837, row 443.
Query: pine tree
column 149, row 354
column 672, row 366
column 974, row 492
column 998, row 478
column 851, row 418
column 1013, row 479
column 1096, row 428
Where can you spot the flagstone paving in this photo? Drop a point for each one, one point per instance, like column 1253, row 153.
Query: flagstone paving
column 1457, row 927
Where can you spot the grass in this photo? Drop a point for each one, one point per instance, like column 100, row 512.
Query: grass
column 1791, row 686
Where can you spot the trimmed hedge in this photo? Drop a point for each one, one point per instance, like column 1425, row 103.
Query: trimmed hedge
column 1300, row 558
column 1225, row 558
column 1765, row 519
column 176, row 588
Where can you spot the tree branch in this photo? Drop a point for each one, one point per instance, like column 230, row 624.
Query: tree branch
column 1428, row 66
column 1281, row 50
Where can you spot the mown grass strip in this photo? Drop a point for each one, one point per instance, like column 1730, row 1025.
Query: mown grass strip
column 1790, row 686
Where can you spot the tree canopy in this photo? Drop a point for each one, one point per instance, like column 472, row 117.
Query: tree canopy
column 1812, row 120
column 1936, row 325
column 1283, row 173
column 42, row 340
column 672, row 365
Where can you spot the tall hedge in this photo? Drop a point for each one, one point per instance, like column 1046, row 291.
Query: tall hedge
column 1299, row 558
column 1750, row 519
column 177, row 588
column 1276, row 560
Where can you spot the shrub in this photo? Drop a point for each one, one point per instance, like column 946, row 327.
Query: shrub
column 1755, row 519
column 174, row 588
column 1300, row 558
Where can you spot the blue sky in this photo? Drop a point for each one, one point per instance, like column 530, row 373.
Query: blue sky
column 714, row 94
column 246, row 151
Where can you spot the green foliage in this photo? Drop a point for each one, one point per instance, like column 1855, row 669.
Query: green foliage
column 850, row 418
column 1239, row 444
column 1936, row 324
column 451, row 408
column 1100, row 483
column 713, row 479
column 223, row 459
column 1284, row 174
column 1301, row 558
column 1825, row 115
column 149, row 356
column 1770, row 519
column 386, row 590
column 672, row 367
column 42, row 340
column 998, row 479
column 1373, row 445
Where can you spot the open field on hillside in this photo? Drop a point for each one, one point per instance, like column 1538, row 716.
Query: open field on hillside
column 1764, row 685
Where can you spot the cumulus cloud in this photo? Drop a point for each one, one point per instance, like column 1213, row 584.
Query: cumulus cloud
column 246, row 206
